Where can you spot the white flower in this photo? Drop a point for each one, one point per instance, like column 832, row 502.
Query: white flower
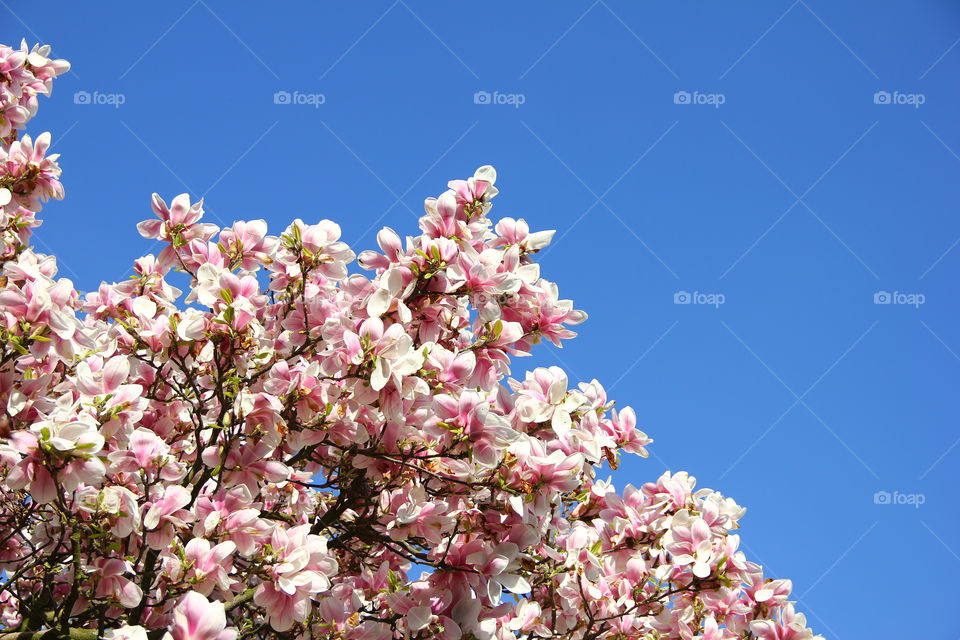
column 80, row 438
column 207, row 291
column 191, row 325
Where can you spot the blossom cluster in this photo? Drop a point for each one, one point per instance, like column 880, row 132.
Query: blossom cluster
column 299, row 448
column 28, row 176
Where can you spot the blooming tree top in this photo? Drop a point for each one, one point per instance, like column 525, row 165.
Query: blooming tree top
column 293, row 450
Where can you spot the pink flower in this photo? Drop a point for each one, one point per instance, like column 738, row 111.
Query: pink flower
column 149, row 453
column 33, row 176
column 302, row 569
column 196, row 618
column 178, row 224
column 526, row 616
column 27, row 73
column 518, row 232
column 68, row 447
column 691, row 543
column 248, row 465
column 210, row 566
column 556, row 471
column 316, row 247
column 114, row 584
column 623, row 429
column 466, row 202
column 229, row 512
column 246, row 244
column 711, row 631
column 164, row 517
column 498, row 566
column 392, row 249
column 416, row 515
column 452, row 368
column 542, row 397
column 125, row 632
column 792, row 626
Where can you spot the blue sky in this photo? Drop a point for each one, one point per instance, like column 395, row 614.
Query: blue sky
column 792, row 160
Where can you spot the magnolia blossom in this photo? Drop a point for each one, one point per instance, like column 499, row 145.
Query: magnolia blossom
column 30, row 176
column 298, row 445
column 498, row 565
column 115, row 582
column 196, row 618
column 302, row 569
column 543, row 398
column 164, row 516
column 135, row 632
column 209, row 567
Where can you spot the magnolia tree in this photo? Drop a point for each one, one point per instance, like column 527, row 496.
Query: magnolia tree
column 292, row 450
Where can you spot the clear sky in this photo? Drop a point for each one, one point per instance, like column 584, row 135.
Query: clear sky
column 783, row 163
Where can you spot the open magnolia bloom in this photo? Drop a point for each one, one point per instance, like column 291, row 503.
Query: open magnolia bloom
column 307, row 452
